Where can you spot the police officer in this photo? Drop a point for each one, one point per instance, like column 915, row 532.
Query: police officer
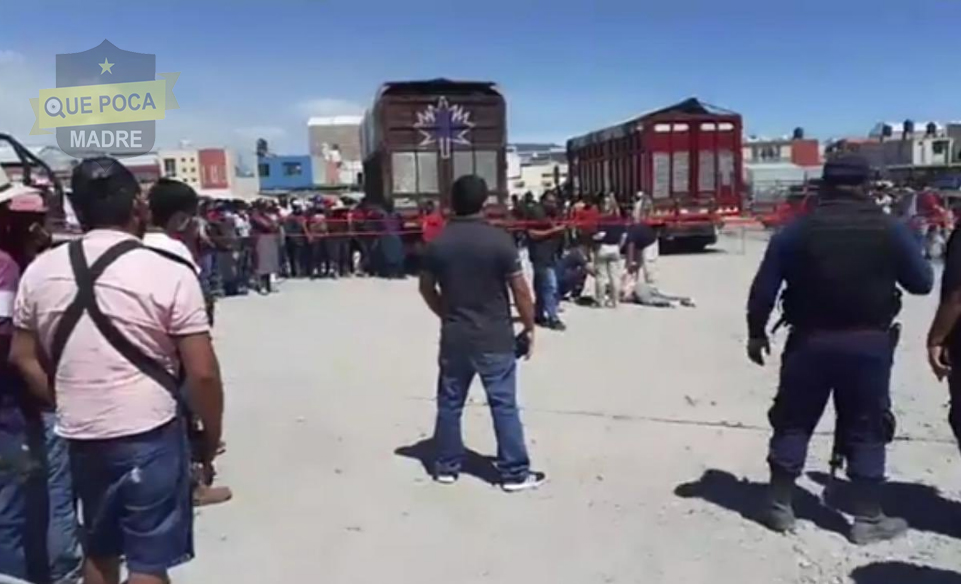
column 842, row 264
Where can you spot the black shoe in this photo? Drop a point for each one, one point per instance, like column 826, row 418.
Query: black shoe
column 539, row 321
column 531, row 481
column 871, row 525
column 557, row 325
column 779, row 511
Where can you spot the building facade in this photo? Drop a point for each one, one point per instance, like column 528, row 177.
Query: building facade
column 341, row 133
column 182, row 165
column 801, row 152
column 285, row 172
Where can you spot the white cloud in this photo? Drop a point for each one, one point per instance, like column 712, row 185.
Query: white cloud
column 328, row 106
column 7, row 56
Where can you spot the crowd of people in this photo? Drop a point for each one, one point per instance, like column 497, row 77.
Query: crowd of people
column 248, row 246
column 573, row 241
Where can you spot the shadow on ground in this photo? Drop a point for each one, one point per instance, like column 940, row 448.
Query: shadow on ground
column 475, row 464
column 902, row 573
column 747, row 499
column 923, row 506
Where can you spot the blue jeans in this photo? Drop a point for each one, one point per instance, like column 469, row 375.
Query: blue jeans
column 136, row 500
column 38, row 523
column 856, row 367
column 545, row 293
column 498, row 373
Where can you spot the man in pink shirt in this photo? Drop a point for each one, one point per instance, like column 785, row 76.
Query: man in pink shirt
column 104, row 326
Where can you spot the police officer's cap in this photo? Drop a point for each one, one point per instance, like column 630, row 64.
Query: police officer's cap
column 102, row 178
column 849, row 170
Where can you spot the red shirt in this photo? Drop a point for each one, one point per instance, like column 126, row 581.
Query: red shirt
column 587, row 218
column 432, row 225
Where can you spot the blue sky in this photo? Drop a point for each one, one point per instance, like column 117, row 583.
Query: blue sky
column 261, row 68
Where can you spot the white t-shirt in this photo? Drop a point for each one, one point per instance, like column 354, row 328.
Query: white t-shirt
column 162, row 241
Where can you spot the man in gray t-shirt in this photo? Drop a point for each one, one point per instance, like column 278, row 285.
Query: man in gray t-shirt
column 468, row 270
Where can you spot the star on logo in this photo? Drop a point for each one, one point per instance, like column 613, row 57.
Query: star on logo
column 444, row 125
column 105, row 66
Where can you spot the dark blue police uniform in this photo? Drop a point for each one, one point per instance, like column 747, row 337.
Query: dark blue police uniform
column 842, row 265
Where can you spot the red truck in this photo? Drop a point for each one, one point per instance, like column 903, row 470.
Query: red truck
column 686, row 157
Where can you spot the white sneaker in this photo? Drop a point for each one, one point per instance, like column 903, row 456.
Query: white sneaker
column 531, row 481
column 446, row 479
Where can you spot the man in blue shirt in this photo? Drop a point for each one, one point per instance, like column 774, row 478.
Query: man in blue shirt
column 843, row 265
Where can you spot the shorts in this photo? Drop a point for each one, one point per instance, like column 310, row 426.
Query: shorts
column 135, row 498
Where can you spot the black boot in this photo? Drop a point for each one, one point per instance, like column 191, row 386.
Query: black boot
column 779, row 513
column 871, row 525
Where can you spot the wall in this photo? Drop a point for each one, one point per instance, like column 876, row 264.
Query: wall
column 182, row 165
column 806, row 152
column 536, row 178
column 341, row 131
column 276, row 172
column 214, row 171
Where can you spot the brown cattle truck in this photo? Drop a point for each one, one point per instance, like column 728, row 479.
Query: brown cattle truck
column 421, row 136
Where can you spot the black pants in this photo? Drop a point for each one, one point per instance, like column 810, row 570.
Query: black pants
column 339, row 251
column 856, row 367
column 298, row 258
column 954, row 384
column 319, row 257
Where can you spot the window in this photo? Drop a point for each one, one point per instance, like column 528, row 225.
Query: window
column 725, row 127
column 681, row 127
column 709, row 127
column 263, row 169
column 415, row 172
column 485, row 166
column 939, row 147
column 662, row 175
column 725, row 163
column 682, row 172
column 404, row 167
column 662, row 128
column 463, row 161
column 706, row 171
column 427, row 172
column 293, row 169
column 483, row 163
column 170, row 167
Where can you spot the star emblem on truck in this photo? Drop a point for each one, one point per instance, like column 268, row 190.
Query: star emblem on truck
column 444, row 124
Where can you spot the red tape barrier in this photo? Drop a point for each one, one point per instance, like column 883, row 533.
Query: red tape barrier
column 511, row 225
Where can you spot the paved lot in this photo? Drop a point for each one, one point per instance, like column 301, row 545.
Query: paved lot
column 650, row 423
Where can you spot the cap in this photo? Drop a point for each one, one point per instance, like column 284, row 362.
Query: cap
column 849, row 170
column 102, row 177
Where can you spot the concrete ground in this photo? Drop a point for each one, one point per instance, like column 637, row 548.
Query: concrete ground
column 651, row 424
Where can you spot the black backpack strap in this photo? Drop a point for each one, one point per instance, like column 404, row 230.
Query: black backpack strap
column 71, row 317
column 86, row 302
column 174, row 258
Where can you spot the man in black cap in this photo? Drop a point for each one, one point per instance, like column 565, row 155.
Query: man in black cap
column 842, row 265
